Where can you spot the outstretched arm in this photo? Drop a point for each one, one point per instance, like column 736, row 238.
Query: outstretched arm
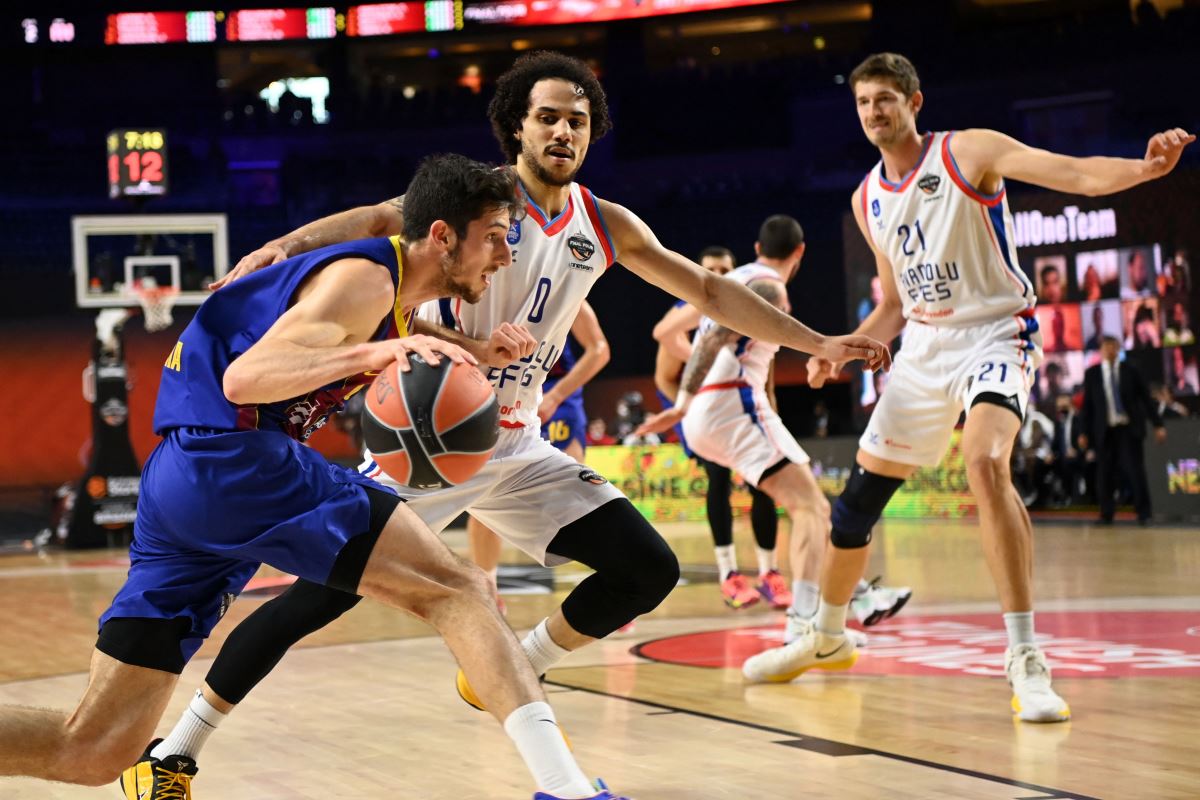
column 506, row 344
column 985, row 157
column 727, row 302
column 884, row 322
column 364, row 222
column 586, row 330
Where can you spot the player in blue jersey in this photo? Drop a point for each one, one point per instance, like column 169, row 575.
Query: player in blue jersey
column 231, row 485
column 564, row 423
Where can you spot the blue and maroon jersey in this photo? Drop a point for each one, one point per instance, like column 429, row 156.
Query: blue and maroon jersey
column 229, row 322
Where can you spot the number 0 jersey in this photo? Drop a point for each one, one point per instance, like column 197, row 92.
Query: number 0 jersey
column 951, row 247
column 554, row 264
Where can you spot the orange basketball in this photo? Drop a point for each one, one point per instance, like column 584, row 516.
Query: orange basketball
column 431, row 427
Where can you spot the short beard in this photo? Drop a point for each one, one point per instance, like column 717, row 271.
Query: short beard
column 541, row 173
column 451, row 285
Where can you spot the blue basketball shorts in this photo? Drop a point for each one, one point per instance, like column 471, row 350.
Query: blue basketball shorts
column 213, row 506
column 569, row 424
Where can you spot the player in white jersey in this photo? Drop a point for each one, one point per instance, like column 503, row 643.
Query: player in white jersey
column 729, row 417
column 934, row 213
column 547, row 110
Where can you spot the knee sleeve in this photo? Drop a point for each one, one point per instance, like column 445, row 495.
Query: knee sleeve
column 258, row 643
column 145, row 642
column 635, row 569
column 859, row 507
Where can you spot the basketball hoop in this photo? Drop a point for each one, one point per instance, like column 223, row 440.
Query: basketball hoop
column 156, row 303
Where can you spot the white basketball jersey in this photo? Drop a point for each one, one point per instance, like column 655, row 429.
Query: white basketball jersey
column 746, row 360
column 554, row 264
column 951, row 248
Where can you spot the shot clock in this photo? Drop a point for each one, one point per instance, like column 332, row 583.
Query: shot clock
column 137, row 163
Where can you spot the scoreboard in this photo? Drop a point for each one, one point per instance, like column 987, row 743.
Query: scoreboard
column 137, row 163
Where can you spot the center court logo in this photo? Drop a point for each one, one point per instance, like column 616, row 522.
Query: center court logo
column 581, row 247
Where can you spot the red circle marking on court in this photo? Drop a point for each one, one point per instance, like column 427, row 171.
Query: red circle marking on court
column 1078, row 644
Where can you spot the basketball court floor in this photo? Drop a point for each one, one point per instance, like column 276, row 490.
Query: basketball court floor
column 367, row 709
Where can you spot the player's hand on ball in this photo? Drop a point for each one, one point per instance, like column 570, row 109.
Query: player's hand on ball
column 657, row 423
column 509, row 343
column 264, row 256
column 840, row 349
column 430, row 348
column 821, row 370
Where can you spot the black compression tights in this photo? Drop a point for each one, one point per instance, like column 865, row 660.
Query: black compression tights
column 720, row 516
column 635, row 570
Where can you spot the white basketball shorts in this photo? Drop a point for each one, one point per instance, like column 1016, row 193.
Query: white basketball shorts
column 526, row 493
column 734, row 426
column 940, row 371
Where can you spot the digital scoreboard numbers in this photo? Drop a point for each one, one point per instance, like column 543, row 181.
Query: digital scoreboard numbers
column 161, row 27
column 137, row 163
column 277, row 24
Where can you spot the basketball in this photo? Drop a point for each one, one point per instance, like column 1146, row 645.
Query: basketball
column 433, row 426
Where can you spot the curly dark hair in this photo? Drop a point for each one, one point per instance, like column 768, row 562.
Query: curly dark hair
column 457, row 190
column 511, row 102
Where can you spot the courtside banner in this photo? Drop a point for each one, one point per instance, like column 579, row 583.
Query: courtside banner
column 665, row 485
column 1173, row 471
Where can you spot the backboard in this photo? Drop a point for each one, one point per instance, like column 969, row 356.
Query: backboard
column 115, row 253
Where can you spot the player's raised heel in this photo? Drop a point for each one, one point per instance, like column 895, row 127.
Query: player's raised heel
column 783, row 664
column 605, row 794
column 168, row 778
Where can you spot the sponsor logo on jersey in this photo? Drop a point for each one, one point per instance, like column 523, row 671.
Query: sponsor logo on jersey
column 929, row 183
column 592, row 477
column 875, row 209
column 580, row 267
column 514, row 232
column 581, row 247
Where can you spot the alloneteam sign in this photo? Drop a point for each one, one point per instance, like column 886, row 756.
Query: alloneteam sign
column 1096, row 644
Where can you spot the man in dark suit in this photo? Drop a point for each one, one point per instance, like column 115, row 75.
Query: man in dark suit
column 1116, row 404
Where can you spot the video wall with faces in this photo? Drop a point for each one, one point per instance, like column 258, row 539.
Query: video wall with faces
column 1117, row 266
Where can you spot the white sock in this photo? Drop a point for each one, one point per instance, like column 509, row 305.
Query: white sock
column 830, row 619
column 1019, row 625
column 198, row 722
column 726, row 560
column 540, row 742
column 805, row 597
column 543, row 651
column 766, row 560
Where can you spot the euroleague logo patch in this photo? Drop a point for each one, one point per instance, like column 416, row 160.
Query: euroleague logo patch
column 514, row 232
column 581, row 247
column 929, row 183
column 592, row 477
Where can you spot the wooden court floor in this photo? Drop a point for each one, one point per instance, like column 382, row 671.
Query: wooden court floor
column 367, row 709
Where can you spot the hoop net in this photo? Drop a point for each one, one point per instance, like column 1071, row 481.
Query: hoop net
column 156, row 303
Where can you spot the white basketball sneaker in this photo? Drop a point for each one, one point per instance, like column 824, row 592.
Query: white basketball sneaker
column 1033, row 700
column 816, row 651
column 876, row 603
column 798, row 626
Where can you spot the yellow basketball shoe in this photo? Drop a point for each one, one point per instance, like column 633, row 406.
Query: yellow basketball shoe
column 168, row 778
column 818, row 651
